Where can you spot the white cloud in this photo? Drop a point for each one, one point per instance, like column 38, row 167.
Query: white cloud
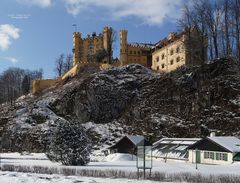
column 7, row 34
column 11, row 59
column 150, row 11
column 40, row 3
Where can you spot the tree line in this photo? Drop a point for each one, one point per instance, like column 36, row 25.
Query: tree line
column 217, row 21
column 15, row 82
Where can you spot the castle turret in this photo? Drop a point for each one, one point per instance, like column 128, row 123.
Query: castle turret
column 107, row 41
column 76, row 48
column 123, row 47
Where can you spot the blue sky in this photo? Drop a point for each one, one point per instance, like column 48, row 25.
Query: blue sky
column 33, row 33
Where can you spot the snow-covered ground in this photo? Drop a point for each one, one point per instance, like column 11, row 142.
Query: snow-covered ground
column 16, row 177
column 122, row 162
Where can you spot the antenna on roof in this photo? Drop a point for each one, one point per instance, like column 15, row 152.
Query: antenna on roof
column 75, row 25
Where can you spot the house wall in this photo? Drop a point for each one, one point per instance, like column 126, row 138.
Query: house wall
column 164, row 61
column 192, row 158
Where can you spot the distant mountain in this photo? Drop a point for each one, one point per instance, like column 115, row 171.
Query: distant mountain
column 189, row 102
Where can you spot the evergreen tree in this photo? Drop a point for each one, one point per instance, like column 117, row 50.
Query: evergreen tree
column 70, row 144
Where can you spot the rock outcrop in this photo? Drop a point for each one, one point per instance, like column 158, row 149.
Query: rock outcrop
column 189, row 102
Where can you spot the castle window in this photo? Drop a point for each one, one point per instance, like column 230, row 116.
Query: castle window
column 171, row 62
column 157, row 68
column 134, row 52
column 162, row 66
column 120, row 50
column 163, row 56
column 157, row 59
column 139, row 53
column 178, row 59
column 130, row 52
column 177, row 50
column 171, row 52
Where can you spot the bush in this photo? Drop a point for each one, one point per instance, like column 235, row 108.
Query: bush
column 70, row 144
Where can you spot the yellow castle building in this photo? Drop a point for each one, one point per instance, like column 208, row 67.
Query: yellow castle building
column 140, row 53
column 85, row 48
column 165, row 56
column 177, row 50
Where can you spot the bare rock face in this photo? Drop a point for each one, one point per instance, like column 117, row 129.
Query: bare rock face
column 130, row 100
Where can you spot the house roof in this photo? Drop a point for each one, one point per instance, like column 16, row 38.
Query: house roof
column 230, row 143
column 182, row 141
column 175, row 148
column 135, row 138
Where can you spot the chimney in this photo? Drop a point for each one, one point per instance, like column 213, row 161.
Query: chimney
column 212, row 134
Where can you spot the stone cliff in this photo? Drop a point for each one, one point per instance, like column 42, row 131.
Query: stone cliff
column 189, row 102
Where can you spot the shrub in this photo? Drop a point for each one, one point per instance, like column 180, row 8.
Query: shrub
column 70, row 144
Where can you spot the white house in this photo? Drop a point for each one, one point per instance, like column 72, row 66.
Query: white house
column 215, row 150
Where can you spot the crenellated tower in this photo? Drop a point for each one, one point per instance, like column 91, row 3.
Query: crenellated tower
column 76, row 48
column 123, row 47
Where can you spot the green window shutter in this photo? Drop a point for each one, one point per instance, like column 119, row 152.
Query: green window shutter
column 217, row 156
column 212, row 155
column 225, row 157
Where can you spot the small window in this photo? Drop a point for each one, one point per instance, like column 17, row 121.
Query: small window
column 157, row 59
column 178, row 50
column 171, row 62
column 134, row 52
column 163, row 56
column 139, row 53
column 157, row 68
column 120, row 50
column 178, row 59
column 171, row 52
column 162, row 66
column 130, row 52
column 211, row 155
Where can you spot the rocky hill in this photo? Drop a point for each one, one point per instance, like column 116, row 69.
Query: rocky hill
column 129, row 100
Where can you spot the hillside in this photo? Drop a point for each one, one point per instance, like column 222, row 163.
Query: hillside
column 129, row 100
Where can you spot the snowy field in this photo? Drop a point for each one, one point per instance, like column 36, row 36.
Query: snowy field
column 124, row 163
column 15, row 177
column 115, row 162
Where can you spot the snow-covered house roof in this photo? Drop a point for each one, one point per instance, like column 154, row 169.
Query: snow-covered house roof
column 230, row 143
column 135, row 138
column 129, row 143
column 174, row 148
column 218, row 143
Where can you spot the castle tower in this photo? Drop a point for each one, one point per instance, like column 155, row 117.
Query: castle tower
column 76, row 48
column 107, row 41
column 123, row 47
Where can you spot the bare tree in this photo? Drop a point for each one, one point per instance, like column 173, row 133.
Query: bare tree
column 68, row 63
column 59, row 63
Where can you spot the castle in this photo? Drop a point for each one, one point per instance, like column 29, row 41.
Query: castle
column 85, row 48
column 168, row 54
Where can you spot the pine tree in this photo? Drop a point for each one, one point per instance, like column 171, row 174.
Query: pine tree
column 70, row 144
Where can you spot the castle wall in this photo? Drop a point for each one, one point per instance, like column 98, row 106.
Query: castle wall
column 138, row 55
column 169, row 57
column 39, row 85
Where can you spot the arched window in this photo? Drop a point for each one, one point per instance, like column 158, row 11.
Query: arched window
column 178, row 49
column 178, row 59
column 163, row 56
